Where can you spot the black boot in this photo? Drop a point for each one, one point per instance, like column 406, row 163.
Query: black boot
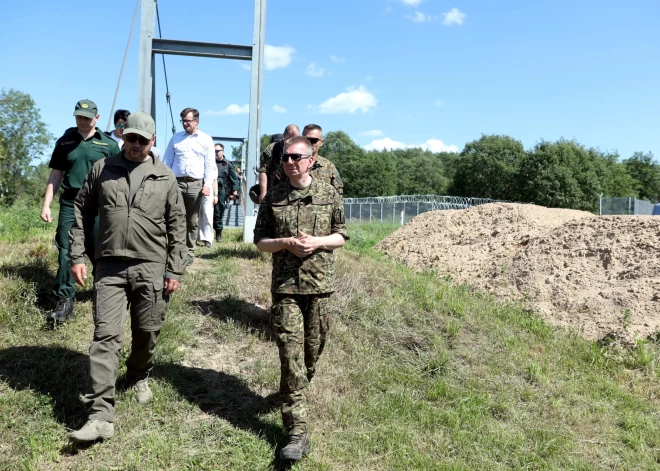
column 63, row 311
column 218, row 236
column 298, row 446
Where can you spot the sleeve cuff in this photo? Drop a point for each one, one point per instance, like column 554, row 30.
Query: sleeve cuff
column 172, row 276
column 76, row 261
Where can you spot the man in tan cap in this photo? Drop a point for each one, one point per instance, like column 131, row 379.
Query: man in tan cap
column 74, row 154
column 140, row 258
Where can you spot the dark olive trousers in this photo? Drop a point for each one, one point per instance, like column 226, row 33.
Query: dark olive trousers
column 192, row 199
column 119, row 285
column 300, row 324
column 219, row 210
column 64, row 285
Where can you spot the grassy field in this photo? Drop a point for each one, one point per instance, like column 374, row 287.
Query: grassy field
column 419, row 374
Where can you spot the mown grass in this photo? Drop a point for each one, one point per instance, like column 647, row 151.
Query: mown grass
column 419, row 374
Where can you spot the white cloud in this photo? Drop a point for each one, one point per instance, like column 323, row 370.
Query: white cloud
column 279, row 109
column 372, row 133
column 434, row 145
column 314, row 71
column 230, row 110
column 419, row 17
column 277, row 57
column 247, row 66
column 336, row 59
column 353, row 100
column 453, row 17
column 439, row 103
column 413, row 3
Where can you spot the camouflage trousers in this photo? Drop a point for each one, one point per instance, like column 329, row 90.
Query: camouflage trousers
column 300, row 324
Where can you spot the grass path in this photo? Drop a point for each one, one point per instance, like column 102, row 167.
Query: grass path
column 419, row 374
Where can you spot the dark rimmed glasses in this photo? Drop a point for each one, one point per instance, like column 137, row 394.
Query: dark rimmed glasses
column 295, row 157
column 131, row 138
column 314, row 140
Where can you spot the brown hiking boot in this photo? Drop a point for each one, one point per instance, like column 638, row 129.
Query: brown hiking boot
column 298, row 446
column 93, row 430
column 143, row 392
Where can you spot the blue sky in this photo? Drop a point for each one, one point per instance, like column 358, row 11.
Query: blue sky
column 393, row 73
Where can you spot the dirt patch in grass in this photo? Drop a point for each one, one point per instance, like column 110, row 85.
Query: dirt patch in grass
column 598, row 275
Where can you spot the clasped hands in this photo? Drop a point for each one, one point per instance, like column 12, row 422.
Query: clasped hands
column 304, row 244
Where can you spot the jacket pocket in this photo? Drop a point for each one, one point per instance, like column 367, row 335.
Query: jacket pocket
column 152, row 196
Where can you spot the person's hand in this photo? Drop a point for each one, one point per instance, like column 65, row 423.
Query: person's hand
column 303, row 245
column 233, row 196
column 215, row 200
column 79, row 272
column 45, row 214
column 171, row 286
column 206, row 191
column 261, row 197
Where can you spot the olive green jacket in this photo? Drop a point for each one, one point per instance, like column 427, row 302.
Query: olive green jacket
column 151, row 227
column 320, row 212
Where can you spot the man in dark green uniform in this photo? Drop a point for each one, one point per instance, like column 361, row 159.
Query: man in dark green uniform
column 300, row 221
column 74, row 155
column 140, row 258
column 228, row 186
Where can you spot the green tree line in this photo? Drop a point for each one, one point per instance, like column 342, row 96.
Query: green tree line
column 563, row 174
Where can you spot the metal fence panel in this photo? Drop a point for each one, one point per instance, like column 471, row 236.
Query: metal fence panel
column 612, row 206
column 401, row 209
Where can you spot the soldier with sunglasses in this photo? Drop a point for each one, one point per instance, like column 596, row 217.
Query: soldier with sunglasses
column 140, row 258
column 300, row 221
column 117, row 134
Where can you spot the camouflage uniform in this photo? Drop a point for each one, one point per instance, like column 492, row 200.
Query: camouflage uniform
column 300, row 287
column 323, row 169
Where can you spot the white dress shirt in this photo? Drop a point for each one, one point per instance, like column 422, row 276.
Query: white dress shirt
column 192, row 155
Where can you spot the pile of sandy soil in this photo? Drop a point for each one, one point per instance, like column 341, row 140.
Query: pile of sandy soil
column 575, row 269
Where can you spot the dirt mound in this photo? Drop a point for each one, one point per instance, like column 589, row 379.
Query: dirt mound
column 597, row 274
column 466, row 243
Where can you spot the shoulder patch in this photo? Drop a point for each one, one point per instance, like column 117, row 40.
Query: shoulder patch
column 66, row 143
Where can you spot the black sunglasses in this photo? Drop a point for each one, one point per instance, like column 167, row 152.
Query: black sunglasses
column 217, row 151
column 295, row 157
column 131, row 138
column 314, row 140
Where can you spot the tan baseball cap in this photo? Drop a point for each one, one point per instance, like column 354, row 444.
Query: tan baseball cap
column 140, row 123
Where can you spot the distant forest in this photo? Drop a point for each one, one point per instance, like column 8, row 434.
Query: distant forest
column 562, row 174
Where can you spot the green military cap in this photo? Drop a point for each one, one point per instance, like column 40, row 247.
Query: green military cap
column 140, row 123
column 86, row 108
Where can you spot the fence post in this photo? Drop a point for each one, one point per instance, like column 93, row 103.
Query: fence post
column 393, row 212
column 600, row 205
column 629, row 198
column 381, row 212
column 360, row 212
column 417, row 209
column 350, row 212
column 370, row 212
column 403, row 213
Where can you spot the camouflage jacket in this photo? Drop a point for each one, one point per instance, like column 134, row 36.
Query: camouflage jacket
column 323, row 170
column 317, row 210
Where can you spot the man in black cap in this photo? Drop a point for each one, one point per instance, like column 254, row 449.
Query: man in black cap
column 74, row 155
column 269, row 162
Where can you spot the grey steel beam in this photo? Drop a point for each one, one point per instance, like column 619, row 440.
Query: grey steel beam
column 254, row 127
column 199, row 49
column 228, row 139
column 145, row 66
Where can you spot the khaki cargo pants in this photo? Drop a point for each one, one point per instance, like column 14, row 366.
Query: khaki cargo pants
column 122, row 284
column 300, row 324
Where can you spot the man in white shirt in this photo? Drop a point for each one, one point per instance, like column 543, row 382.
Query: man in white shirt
column 191, row 156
